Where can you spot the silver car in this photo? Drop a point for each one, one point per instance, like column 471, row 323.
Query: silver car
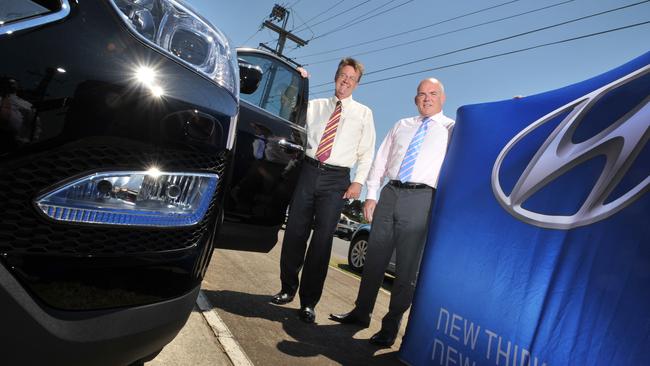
column 345, row 227
column 359, row 248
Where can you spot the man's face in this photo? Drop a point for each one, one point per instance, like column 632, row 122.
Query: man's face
column 346, row 81
column 429, row 98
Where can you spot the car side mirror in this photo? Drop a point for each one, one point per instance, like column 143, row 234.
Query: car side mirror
column 249, row 77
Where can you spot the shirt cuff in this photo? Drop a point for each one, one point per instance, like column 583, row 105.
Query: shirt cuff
column 371, row 193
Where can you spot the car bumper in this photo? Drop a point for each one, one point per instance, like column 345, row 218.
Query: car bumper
column 74, row 337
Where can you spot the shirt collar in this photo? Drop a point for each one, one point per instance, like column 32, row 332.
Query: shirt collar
column 436, row 117
column 344, row 102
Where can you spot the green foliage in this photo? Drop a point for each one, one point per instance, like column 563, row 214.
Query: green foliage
column 354, row 210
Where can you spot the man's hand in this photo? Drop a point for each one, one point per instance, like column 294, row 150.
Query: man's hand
column 353, row 192
column 369, row 209
column 303, row 72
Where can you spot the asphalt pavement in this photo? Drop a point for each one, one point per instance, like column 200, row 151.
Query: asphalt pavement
column 234, row 323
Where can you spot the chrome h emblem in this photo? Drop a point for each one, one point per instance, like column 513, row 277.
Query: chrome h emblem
column 620, row 143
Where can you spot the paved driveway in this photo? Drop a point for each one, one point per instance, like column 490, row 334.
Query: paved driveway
column 240, row 284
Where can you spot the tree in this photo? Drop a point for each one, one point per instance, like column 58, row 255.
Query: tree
column 354, row 210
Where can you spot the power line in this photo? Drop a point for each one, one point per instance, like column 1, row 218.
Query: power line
column 514, row 36
column 253, row 35
column 499, row 54
column 369, row 12
column 513, row 52
column 498, row 40
column 300, row 27
column 256, row 33
column 402, row 44
column 280, row 13
column 355, row 22
column 335, row 15
column 262, row 27
column 411, row 30
column 294, row 4
column 293, row 19
column 303, row 22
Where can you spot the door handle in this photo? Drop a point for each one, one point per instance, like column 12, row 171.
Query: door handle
column 290, row 145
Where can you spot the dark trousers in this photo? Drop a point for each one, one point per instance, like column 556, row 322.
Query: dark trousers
column 399, row 224
column 317, row 202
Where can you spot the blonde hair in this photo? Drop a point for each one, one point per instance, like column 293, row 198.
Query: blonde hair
column 349, row 61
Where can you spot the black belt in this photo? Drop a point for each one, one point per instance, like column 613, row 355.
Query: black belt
column 324, row 166
column 408, row 185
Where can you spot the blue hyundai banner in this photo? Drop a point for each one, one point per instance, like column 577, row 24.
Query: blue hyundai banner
column 539, row 243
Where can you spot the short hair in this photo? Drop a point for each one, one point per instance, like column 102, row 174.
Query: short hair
column 435, row 81
column 349, row 61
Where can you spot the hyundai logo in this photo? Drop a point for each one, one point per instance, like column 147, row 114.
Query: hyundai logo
column 620, row 143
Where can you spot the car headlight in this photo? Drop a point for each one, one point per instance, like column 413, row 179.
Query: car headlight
column 140, row 198
column 179, row 31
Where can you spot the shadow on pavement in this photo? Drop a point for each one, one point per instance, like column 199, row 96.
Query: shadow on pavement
column 334, row 341
column 388, row 279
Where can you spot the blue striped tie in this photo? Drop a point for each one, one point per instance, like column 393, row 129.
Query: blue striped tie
column 406, row 169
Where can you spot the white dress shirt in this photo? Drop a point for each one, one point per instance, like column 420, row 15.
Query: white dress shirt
column 354, row 142
column 393, row 148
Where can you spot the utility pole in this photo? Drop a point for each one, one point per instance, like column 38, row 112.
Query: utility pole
column 280, row 13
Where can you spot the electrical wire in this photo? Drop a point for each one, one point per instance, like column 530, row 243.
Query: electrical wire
column 514, row 36
column 259, row 30
column 294, row 4
column 356, row 22
column 295, row 13
column 316, row 16
column 498, row 40
column 254, row 34
column 411, row 30
column 498, row 55
column 370, row 11
column 346, row 24
column 335, row 15
column 402, row 44
column 297, row 45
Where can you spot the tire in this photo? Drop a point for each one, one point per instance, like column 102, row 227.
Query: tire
column 357, row 252
column 145, row 359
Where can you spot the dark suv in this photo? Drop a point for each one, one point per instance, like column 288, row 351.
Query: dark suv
column 123, row 146
column 270, row 143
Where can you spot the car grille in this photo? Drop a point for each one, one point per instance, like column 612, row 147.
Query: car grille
column 24, row 231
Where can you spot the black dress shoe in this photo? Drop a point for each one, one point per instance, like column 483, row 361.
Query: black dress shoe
column 350, row 318
column 307, row 314
column 282, row 298
column 382, row 339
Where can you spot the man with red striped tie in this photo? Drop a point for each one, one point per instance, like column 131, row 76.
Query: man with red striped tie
column 340, row 135
column 410, row 158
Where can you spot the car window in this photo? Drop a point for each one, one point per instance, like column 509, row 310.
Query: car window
column 21, row 9
column 279, row 90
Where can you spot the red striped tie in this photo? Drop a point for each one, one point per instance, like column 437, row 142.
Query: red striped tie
column 326, row 142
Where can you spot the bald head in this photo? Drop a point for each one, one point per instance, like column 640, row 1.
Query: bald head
column 430, row 97
column 433, row 81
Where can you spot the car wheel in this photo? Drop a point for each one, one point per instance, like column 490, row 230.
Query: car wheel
column 357, row 252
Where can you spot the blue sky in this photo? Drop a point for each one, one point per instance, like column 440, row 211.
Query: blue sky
column 524, row 73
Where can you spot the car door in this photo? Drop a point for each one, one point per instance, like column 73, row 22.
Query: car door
column 269, row 148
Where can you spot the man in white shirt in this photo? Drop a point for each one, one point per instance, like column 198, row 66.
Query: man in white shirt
column 410, row 157
column 340, row 134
